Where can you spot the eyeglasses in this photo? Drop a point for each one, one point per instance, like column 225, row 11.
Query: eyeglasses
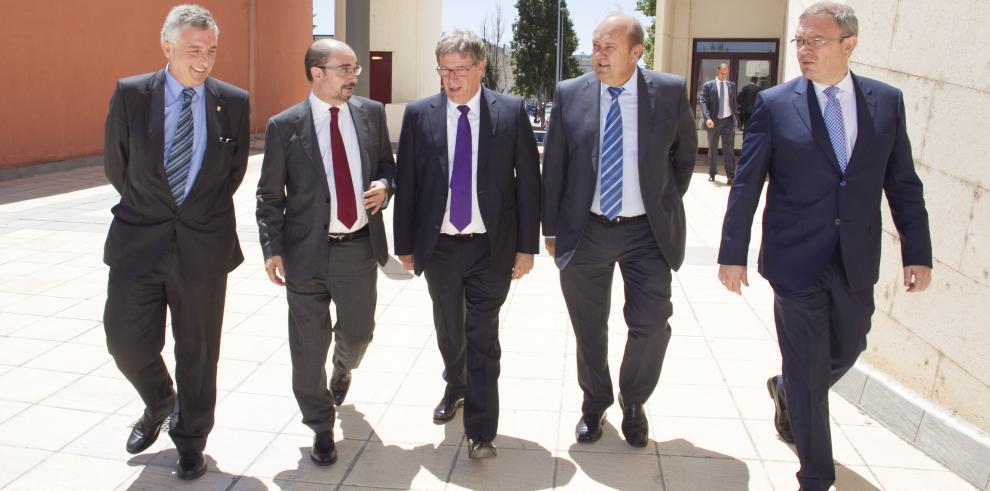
column 815, row 42
column 460, row 71
column 343, row 70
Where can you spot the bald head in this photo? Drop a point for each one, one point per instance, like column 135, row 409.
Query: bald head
column 615, row 48
column 321, row 50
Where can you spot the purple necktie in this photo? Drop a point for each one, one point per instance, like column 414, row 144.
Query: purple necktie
column 460, row 177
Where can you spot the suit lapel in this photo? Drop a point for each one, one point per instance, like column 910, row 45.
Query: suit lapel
column 438, row 128
column 359, row 114
column 590, row 101
column 156, row 122
column 806, row 104
column 866, row 107
column 646, row 107
column 306, row 132
column 488, row 122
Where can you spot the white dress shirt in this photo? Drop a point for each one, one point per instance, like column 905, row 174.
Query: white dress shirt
column 847, row 99
column 632, row 196
column 321, row 122
column 726, row 110
column 474, row 118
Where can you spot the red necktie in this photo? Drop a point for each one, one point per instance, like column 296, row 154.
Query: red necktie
column 343, row 185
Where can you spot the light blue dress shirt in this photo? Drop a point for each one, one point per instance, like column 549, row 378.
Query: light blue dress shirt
column 173, row 107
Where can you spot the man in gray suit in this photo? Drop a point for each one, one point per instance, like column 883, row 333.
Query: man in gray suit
column 718, row 113
column 618, row 159
column 328, row 171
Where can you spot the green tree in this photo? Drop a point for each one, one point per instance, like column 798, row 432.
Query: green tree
column 649, row 9
column 534, row 50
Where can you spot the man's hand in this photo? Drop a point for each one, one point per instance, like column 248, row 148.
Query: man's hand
column 551, row 244
column 709, row 123
column 524, row 263
column 275, row 270
column 917, row 278
column 732, row 276
column 408, row 262
column 374, row 197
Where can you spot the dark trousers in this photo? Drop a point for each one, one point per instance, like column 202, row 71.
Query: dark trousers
column 725, row 129
column 467, row 295
column 821, row 330
column 348, row 276
column 586, row 282
column 134, row 321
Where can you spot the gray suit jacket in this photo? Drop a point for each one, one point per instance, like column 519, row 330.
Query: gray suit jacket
column 667, row 147
column 293, row 194
column 708, row 100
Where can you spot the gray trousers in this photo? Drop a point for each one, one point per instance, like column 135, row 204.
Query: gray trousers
column 725, row 130
column 347, row 276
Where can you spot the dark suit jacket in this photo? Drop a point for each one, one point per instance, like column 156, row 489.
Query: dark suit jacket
column 708, row 100
column 668, row 143
column 746, row 99
column 508, row 178
column 811, row 207
column 147, row 221
column 293, row 194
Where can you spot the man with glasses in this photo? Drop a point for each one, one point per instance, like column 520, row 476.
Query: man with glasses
column 718, row 116
column 834, row 142
column 468, row 215
column 327, row 173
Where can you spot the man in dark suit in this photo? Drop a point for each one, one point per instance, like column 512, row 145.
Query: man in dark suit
column 176, row 149
column 832, row 142
column 327, row 173
column 745, row 100
column 468, row 215
column 718, row 115
column 617, row 160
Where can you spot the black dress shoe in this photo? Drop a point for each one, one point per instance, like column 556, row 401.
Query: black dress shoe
column 143, row 435
column 589, row 427
column 780, row 420
column 481, row 450
column 728, row 181
column 339, row 383
column 191, row 465
column 447, row 407
column 323, row 452
column 711, row 178
column 634, row 425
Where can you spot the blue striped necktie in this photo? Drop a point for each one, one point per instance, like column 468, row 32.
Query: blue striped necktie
column 611, row 163
column 836, row 127
column 180, row 155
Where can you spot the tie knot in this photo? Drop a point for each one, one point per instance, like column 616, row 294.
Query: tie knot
column 187, row 94
column 830, row 91
column 334, row 111
column 463, row 109
column 615, row 91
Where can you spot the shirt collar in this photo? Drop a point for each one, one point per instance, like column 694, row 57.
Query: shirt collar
column 845, row 85
column 321, row 109
column 173, row 89
column 474, row 104
column 631, row 86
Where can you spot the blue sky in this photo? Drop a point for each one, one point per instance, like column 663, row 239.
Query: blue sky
column 585, row 14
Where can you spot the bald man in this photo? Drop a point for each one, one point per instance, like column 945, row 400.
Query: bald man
column 618, row 159
column 327, row 174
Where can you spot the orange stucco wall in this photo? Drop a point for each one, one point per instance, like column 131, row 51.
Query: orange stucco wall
column 60, row 59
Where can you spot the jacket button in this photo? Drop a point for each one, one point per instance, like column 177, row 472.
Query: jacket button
column 437, row 227
column 328, row 201
column 838, row 221
column 327, row 225
column 842, row 183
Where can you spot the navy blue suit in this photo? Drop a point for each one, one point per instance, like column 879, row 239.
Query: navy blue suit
column 821, row 239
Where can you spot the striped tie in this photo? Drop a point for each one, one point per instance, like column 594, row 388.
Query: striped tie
column 611, row 164
column 179, row 156
column 836, row 127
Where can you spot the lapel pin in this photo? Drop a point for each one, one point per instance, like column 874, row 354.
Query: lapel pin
column 218, row 108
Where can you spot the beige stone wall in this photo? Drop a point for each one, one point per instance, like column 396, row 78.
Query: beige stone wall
column 410, row 30
column 935, row 343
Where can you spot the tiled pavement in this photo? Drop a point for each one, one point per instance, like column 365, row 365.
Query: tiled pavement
column 65, row 409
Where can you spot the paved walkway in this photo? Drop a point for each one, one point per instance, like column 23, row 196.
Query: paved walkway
column 65, row 409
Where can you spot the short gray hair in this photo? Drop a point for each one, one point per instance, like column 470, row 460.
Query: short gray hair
column 843, row 15
column 187, row 15
column 464, row 42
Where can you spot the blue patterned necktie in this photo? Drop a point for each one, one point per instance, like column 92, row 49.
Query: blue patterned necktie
column 836, row 127
column 460, row 176
column 180, row 155
column 611, row 163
